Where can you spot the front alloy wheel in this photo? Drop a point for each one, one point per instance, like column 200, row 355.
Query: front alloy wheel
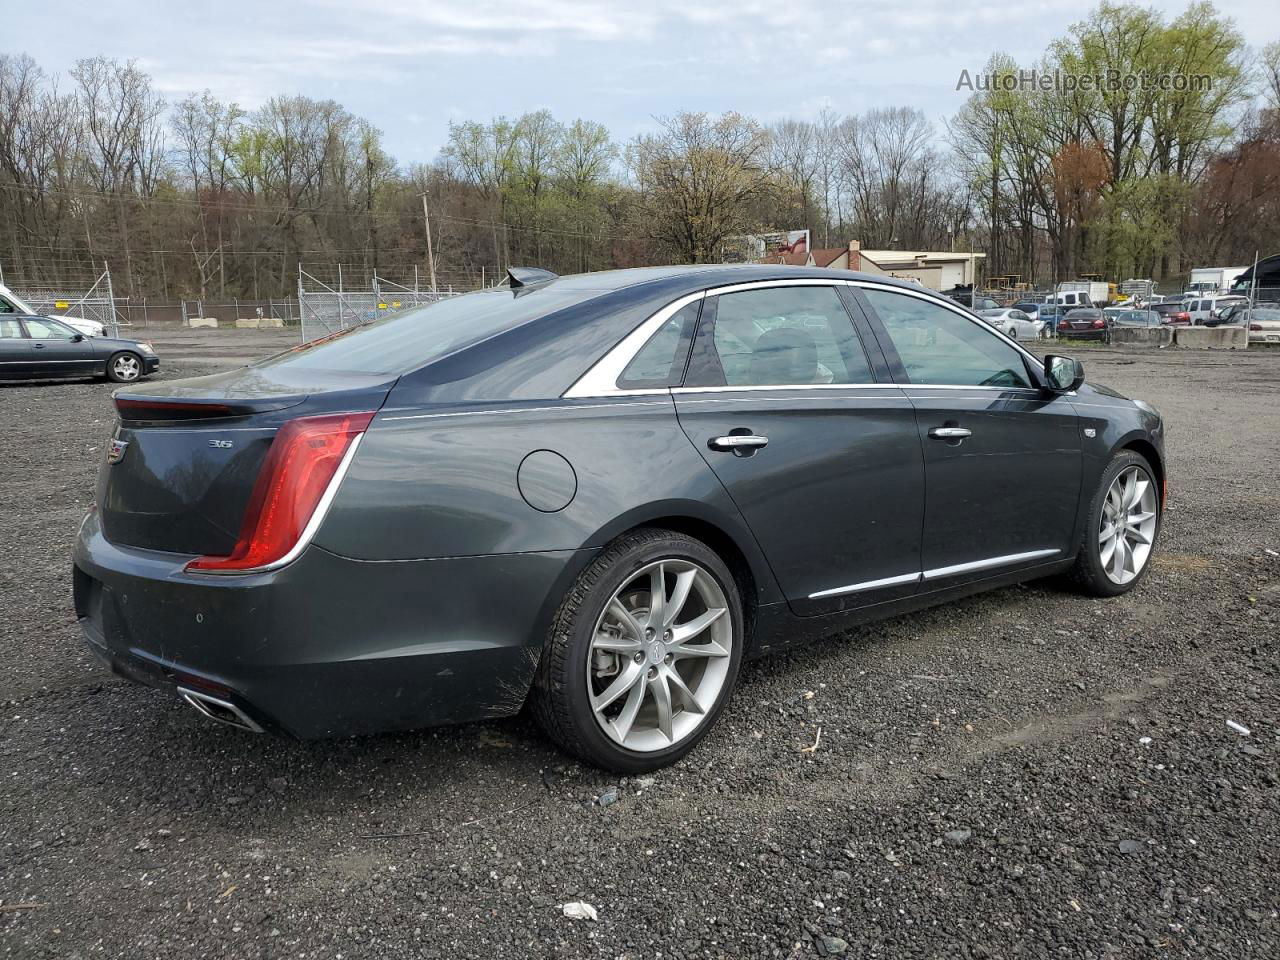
column 643, row 653
column 1128, row 526
column 124, row 367
column 1124, row 519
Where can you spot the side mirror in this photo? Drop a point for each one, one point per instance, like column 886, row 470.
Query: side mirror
column 1063, row 374
column 77, row 338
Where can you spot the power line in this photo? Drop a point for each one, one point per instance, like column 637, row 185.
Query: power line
column 299, row 211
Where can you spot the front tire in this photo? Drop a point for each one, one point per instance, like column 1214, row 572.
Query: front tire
column 630, row 684
column 124, row 367
column 1120, row 532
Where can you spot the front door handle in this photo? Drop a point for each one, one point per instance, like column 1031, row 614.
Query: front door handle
column 738, row 441
column 950, row 433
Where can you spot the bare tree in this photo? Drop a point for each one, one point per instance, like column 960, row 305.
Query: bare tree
column 793, row 155
column 697, row 180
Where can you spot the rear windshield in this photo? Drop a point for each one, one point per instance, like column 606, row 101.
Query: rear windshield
column 410, row 339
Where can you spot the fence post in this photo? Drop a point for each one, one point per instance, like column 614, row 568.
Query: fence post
column 302, row 319
column 111, row 299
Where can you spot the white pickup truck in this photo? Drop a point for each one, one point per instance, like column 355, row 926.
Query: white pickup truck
column 1081, row 293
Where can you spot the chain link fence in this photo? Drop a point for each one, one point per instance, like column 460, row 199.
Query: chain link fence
column 329, row 305
column 84, row 293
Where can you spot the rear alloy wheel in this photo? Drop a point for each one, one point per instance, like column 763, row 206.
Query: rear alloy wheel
column 124, row 367
column 643, row 653
column 1121, row 530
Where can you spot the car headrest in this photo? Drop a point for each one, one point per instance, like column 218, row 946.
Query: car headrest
column 785, row 355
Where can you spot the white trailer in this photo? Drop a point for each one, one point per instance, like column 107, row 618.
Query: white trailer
column 1082, row 293
column 1209, row 281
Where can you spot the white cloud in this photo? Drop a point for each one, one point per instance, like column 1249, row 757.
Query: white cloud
column 412, row 65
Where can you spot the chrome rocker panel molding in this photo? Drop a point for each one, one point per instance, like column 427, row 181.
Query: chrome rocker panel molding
column 937, row 573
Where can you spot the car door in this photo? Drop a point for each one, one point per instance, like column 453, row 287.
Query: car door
column 792, row 407
column 1002, row 456
column 1021, row 324
column 59, row 351
column 15, row 350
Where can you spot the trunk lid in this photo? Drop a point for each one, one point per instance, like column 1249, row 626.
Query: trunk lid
column 182, row 463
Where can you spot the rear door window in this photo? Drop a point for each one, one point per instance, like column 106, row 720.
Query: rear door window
column 781, row 336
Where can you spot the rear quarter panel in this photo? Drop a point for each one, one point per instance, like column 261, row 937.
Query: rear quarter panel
column 435, row 483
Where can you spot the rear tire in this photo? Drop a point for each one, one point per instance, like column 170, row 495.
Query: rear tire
column 124, row 367
column 1121, row 529
column 622, row 685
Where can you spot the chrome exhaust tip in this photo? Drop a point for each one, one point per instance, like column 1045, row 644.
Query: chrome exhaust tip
column 222, row 711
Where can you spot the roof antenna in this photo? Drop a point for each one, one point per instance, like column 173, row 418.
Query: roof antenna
column 524, row 276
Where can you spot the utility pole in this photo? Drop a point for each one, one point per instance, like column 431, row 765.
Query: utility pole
column 431, row 257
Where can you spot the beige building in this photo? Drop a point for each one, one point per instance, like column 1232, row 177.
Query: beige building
column 937, row 270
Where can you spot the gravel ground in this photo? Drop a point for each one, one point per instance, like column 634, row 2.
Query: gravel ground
column 1022, row 774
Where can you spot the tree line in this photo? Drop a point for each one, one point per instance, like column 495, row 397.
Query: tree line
column 201, row 198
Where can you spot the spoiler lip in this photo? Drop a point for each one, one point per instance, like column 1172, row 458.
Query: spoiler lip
column 137, row 407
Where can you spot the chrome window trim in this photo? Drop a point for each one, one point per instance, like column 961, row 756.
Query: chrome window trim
column 773, row 387
column 953, row 386
column 784, row 282
column 602, row 379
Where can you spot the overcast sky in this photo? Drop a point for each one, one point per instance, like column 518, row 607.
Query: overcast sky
column 411, row 66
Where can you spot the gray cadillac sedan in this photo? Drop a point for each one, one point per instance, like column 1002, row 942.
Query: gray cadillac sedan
column 596, row 494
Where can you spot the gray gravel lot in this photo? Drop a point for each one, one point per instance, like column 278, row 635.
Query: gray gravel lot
column 1022, row 774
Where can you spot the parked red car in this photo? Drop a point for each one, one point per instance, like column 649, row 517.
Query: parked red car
column 1173, row 314
column 1083, row 323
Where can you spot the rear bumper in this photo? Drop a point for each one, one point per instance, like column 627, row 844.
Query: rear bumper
column 326, row 646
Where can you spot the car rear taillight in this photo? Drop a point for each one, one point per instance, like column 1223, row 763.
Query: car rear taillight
column 1182, row 316
column 1255, row 327
column 298, row 479
column 1098, row 324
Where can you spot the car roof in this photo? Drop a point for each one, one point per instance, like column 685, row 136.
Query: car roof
column 544, row 355
column 717, row 274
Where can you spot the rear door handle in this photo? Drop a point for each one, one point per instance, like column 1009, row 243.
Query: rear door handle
column 737, row 441
column 950, row 433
